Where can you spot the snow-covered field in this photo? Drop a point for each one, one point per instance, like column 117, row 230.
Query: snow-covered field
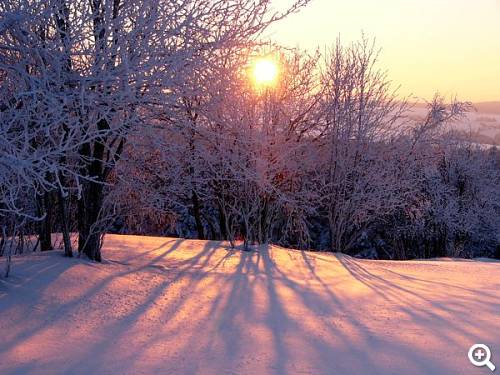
column 173, row 306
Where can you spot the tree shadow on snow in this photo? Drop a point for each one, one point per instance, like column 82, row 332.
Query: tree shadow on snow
column 216, row 310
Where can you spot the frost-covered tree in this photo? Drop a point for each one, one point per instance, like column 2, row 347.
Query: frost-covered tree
column 360, row 114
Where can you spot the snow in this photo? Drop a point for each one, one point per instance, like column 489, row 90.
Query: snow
column 174, row 306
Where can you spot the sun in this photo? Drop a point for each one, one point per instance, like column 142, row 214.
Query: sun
column 265, row 71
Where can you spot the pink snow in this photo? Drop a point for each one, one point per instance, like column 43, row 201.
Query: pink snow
column 174, row 306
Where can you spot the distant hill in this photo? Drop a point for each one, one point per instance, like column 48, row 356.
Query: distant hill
column 488, row 107
column 481, row 126
column 482, row 107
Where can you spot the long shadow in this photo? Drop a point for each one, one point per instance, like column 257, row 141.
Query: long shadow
column 50, row 269
column 196, row 267
column 325, row 307
column 47, row 265
column 239, row 308
column 479, row 292
column 233, row 308
column 259, row 267
column 436, row 310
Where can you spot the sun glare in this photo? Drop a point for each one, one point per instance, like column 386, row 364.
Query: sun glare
column 265, row 72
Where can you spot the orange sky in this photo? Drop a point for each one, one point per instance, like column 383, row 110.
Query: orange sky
column 450, row 46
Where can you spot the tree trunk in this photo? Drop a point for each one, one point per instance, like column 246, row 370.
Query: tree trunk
column 90, row 232
column 63, row 209
column 44, row 203
column 90, row 204
column 2, row 244
column 222, row 223
column 213, row 232
column 197, row 216
column 263, row 223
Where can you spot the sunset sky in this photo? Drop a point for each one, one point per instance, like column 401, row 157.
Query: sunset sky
column 450, row 46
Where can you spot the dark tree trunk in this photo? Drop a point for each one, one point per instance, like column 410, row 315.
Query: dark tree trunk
column 44, row 203
column 213, row 232
column 90, row 232
column 63, row 210
column 197, row 216
column 263, row 227
column 222, row 224
column 2, row 244
column 91, row 201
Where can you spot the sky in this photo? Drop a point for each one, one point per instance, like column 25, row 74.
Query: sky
column 450, row 46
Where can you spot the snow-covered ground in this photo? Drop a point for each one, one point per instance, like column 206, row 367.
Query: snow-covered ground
column 173, row 306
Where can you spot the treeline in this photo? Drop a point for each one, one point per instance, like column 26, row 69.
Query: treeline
column 114, row 119
column 329, row 159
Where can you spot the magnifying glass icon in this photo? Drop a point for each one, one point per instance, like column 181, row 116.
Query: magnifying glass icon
column 480, row 355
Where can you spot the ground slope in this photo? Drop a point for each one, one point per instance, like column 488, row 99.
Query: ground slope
column 173, row 306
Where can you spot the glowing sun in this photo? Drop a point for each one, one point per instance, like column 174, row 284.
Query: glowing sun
column 265, row 71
